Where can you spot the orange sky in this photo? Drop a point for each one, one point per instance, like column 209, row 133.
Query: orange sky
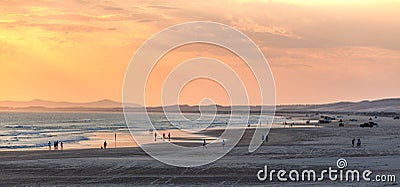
column 318, row 51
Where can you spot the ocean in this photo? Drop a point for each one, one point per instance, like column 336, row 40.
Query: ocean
column 33, row 130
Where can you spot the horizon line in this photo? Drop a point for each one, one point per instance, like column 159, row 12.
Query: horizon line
column 277, row 104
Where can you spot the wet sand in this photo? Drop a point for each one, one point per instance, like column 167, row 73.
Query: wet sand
column 287, row 148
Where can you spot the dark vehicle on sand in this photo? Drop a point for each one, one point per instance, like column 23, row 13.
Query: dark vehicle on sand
column 369, row 124
column 324, row 121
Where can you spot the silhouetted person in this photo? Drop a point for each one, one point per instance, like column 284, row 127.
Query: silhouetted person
column 353, row 142
column 266, row 138
column 169, row 136
column 62, row 145
column 359, row 143
column 204, row 143
column 163, row 136
column 223, row 144
column 155, row 136
column 105, row 144
column 49, row 144
column 115, row 140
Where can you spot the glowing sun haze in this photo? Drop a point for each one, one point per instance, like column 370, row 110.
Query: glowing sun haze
column 319, row 51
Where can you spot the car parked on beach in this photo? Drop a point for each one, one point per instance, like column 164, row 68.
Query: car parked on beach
column 368, row 124
column 324, row 121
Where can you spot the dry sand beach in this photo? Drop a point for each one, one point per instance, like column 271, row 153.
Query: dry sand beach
column 287, row 148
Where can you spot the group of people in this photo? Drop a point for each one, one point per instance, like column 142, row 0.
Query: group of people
column 358, row 142
column 205, row 144
column 56, row 145
column 285, row 123
column 105, row 142
column 163, row 136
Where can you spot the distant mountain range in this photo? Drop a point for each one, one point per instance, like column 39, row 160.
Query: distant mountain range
column 53, row 104
column 383, row 105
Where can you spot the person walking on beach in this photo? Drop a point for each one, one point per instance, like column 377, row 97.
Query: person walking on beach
column 105, row 144
column 223, row 144
column 204, row 143
column 163, row 136
column 49, row 145
column 266, row 138
column 115, row 140
column 359, row 143
column 155, row 136
column 62, row 145
column 169, row 136
column 353, row 141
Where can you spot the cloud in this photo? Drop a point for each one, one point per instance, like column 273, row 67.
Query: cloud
column 290, row 65
column 163, row 7
column 248, row 24
column 315, row 44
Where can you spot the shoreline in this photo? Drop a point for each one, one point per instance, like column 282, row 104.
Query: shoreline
column 190, row 140
column 125, row 139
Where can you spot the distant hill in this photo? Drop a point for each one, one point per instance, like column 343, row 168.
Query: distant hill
column 391, row 105
column 375, row 106
column 382, row 105
column 53, row 104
